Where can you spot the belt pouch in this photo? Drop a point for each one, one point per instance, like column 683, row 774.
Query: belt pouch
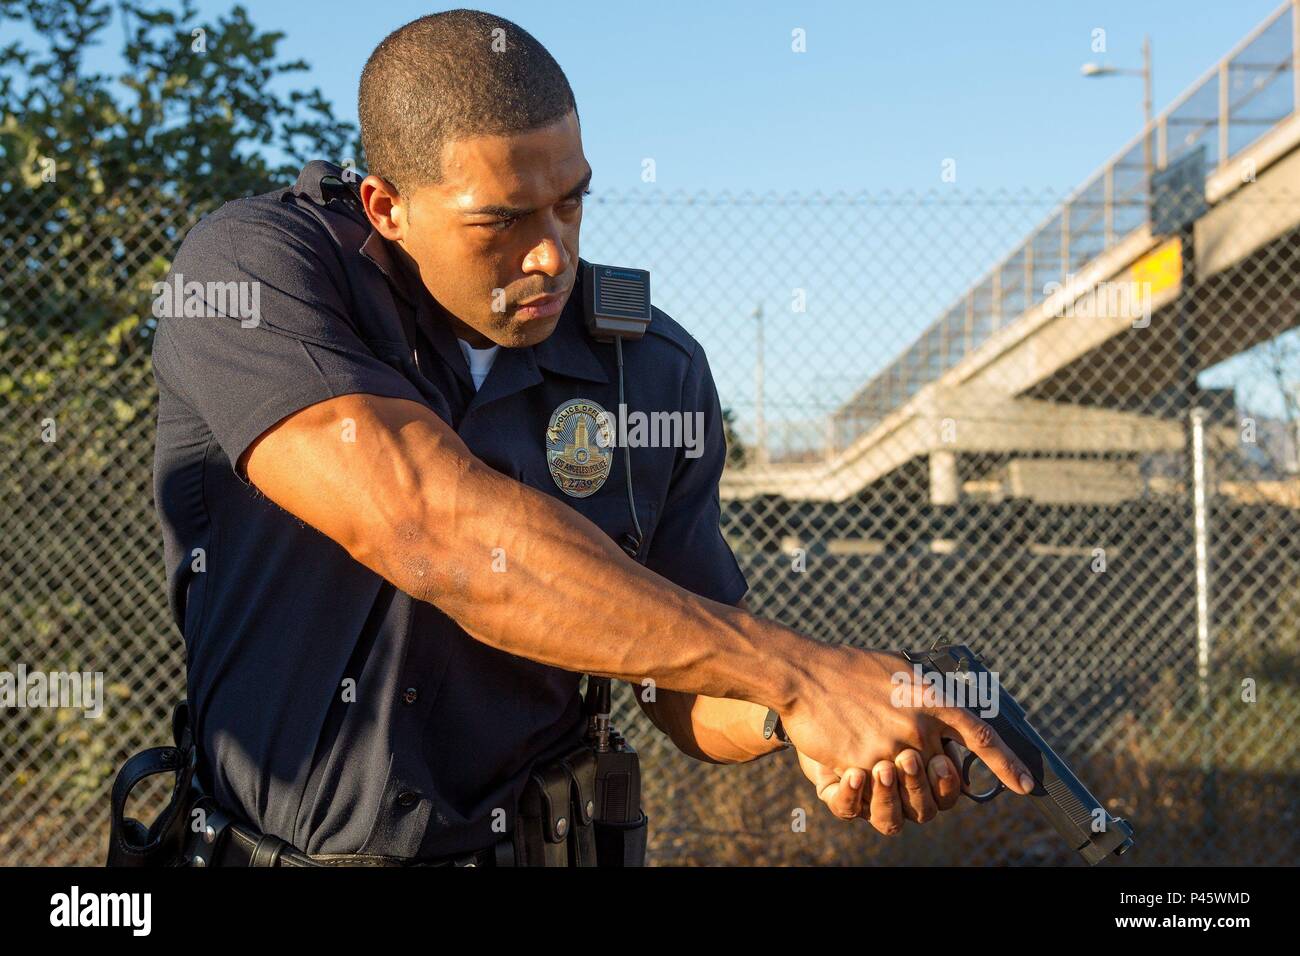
column 581, row 768
column 544, row 817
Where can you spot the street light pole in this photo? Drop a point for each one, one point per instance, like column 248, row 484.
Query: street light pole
column 1148, row 116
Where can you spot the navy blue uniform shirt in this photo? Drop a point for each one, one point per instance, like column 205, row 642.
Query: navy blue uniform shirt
column 280, row 623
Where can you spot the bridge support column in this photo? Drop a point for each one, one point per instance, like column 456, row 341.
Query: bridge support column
column 944, row 487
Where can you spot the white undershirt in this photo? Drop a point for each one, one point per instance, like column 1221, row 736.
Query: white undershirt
column 480, row 360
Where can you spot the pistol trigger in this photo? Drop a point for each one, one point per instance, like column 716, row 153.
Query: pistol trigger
column 965, row 768
column 954, row 751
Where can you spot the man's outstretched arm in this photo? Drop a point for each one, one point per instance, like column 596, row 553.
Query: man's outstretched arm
column 408, row 500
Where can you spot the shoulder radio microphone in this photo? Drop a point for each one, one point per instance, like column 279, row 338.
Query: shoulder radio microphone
column 616, row 302
column 616, row 305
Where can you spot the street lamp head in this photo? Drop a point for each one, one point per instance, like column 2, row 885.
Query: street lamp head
column 1097, row 69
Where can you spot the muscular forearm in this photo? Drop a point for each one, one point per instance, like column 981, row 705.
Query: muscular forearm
column 394, row 485
column 517, row 569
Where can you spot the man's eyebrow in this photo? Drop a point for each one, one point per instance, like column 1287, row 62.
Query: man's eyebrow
column 518, row 212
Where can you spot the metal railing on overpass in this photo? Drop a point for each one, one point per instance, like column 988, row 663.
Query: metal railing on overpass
column 1247, row 93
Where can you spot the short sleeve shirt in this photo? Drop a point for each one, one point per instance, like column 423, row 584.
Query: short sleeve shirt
column 332, row 709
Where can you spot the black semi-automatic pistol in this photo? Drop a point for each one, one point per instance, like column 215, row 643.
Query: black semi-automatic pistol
column 1058, row 794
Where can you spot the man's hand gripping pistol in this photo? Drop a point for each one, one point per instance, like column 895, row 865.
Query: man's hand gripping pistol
column 1058, row 794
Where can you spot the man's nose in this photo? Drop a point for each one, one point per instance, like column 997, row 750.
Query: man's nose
column 548, row 256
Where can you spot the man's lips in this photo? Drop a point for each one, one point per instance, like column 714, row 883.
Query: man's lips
column 542, row 305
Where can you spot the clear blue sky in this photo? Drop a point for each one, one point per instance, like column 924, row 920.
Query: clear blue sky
column 885, row 92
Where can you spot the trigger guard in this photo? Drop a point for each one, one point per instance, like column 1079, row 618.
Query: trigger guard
column 965, row 765
column 987, row 795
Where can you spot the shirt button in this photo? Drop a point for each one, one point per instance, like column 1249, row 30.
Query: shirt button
column 407, row 798
column 410, row 695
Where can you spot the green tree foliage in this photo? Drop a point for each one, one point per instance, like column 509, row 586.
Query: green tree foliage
column 195, row 103
column 100, row 178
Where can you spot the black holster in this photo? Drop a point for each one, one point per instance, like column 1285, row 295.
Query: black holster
column 130, row 842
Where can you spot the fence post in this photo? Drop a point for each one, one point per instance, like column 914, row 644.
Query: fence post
column 1201, row 534
column 1200, row 520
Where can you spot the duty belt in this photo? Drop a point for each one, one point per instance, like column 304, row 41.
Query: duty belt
column 557, row 822
column 224, row 841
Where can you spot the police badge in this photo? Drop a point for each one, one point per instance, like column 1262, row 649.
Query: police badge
column 579, row 442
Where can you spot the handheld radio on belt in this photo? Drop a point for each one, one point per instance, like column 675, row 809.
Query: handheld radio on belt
column 616, row 303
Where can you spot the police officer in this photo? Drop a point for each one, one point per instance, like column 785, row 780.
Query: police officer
column 393, row 540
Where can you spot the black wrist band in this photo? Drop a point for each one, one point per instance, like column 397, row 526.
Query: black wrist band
column 772, row 726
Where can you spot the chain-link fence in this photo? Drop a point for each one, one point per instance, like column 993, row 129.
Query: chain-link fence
column 920, row 453
column 1039, row 494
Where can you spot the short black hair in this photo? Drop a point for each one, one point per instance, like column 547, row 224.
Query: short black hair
column 449, row 76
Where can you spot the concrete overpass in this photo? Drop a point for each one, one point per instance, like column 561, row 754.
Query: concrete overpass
column 1075, row 373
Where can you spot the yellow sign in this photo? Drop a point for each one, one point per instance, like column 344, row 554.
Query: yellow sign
column 1162, row 267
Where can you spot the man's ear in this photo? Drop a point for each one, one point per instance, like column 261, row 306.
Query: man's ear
column 384, row 207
